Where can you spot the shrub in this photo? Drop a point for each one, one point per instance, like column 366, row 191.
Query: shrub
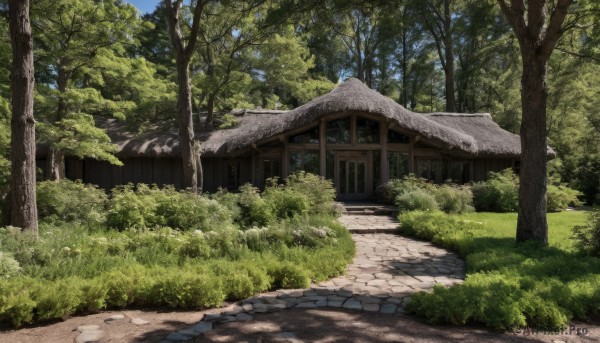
column 587, row 237
column 500, row 193
column 319, row 191
column 285, row 202
column 254, row 209
column 389, row 191
column 454, row 198
column 146, row 207
column 188, row 289
column 131, row 208
column 9, row 267
column 288, row 275
column 560, row 197
column 71, row 201
column 416, row 199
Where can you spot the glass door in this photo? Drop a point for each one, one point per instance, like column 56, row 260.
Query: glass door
column 352, row 178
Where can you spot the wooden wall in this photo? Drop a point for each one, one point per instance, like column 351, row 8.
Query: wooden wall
column 163, row 171
column 481, row 167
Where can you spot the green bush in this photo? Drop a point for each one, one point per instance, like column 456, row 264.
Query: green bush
column 500, row 193
column 560, row 197
column 389, row 191
column 9, row 267
column 71, row 201
column 587, row 237
column 416, row 200
column 454, row 198
column 319, row 191
column 288, row 275
column 285, row 202
column 146, row 207
column 254, row 209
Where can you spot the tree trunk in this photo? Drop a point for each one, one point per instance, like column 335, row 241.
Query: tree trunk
column 449, row 57
column 532, row 223
column 55, row 164
column 22, row 186
column 186, row 126
column 210, row 109
column 55, row 161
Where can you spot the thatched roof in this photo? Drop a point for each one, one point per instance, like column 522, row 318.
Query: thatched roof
column 492, row 140
column 475, row 134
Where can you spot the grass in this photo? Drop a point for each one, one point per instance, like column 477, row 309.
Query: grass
column 508, row 284
column 503, row 225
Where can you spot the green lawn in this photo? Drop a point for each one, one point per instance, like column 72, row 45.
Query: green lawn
column 501, row 225
column 508, row 284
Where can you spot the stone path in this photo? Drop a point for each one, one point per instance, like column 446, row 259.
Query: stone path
column 369, row 223
column 386, row 271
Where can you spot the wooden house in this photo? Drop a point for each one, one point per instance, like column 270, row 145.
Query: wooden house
column 353, row 135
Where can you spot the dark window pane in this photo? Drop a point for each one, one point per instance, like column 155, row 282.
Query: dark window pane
column 360, row 175
column 352, row 177
column 295, row 161
column 424, row 168
column 343, row 177
column 398, row 165
column 311, row 137
column 338, row 131
column 330, row 162
column 376, row 168
column 367, row 131
column 233, row 172
column 397, row 138
column 311, row 162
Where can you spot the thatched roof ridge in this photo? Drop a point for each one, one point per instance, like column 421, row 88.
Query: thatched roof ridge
column 474, row 134
column 492, row 140
column 350, row 96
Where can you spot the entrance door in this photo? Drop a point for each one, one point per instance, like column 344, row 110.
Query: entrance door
column 351, row 176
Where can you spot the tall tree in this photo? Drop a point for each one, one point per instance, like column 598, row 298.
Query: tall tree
column 77, row 43
column 437, row 16
column 538, row 26
column 23, row 204
column 184, row 48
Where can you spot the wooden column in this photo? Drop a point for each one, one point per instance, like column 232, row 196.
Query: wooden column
column 385, row 169
column 322, row 149
column 285, row 171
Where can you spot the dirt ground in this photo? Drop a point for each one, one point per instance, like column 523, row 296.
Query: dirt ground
column 291, row 325
column 122, row 330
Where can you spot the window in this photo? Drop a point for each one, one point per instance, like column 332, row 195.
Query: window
column 459, row 171
column 307, row 160
column 307, row 137
column 397, row 164
column 376, row 168
column 338, row 131
column 271, row 168
column 430, row 170
column 394, row 137
column 367, row 131
column 233, row 174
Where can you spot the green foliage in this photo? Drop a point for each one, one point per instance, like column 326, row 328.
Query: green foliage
column 289, row 275
column 411, row 193
column 507, row 285
column 416, row 199
column 454, row 199
column 254, row 209
column 72, row 269
column 9, row 267
column 71, row 201
column 587, row 237
column 560, row 197
column 500, row 193
column 228, row 121
column 319, row 191
column 284, row 202
column 146, row 207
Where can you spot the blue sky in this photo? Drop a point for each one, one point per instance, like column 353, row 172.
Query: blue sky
column 144, row 5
